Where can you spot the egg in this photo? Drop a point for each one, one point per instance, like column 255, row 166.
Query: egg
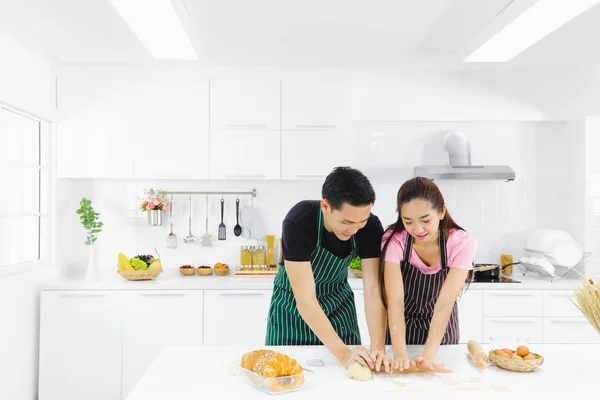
column 501, row 353
column 516, row 357
column 522, row 351
column 507, row 351
column 529, row 357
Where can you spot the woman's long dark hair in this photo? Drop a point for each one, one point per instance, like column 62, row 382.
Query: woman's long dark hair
column 422, row 189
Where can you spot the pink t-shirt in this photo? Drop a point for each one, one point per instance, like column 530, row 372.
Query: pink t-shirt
column 460, row 246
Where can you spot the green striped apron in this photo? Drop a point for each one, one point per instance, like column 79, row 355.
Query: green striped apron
column 285, row 326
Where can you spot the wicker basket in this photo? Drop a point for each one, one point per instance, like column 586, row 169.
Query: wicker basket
column 145, row 275
column 516, row 365
column 187, row 271
column 357, row 273
column 204, row 271
column 222, row 271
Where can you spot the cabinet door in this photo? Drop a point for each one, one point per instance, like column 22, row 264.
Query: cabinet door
column 245, row 154
column 154, row 319
column 80, row 345
column 313, row 154
column 315, row 105
column 470, row 316
column 236, row 316
column 171, row 128
column 359, row 299
column 526, row 329
column 245, row 104
column 95, row 127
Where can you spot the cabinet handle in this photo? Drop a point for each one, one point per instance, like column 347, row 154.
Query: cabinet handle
column 242, row 294
column 81, row 295
column 163, row 294
column 512, row 321
column 315, row 126
column 310, row 176
column 512, row 295
column 246, row 176
column 570, row 321
column 242, row 126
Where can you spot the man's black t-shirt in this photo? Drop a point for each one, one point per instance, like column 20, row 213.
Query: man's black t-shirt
column 299, row 236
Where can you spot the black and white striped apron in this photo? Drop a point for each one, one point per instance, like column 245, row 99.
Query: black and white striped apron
column 421, row 292
column 285, row 326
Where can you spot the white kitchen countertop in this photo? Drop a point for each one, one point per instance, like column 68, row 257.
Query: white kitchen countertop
column 182, row 373
column 173, row 280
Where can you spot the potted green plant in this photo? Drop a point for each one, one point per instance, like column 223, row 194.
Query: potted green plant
column 92, row 225
column 356, row 267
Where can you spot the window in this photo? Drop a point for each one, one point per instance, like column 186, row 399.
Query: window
column 22, row 176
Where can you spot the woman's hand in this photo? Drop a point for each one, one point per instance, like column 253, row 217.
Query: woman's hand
column 380, row 359
column 403, row 364
column 428, row 365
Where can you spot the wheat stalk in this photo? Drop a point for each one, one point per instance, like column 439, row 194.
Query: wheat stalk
column 587, row 300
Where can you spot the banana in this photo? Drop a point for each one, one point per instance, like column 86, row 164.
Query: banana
column 124, row 264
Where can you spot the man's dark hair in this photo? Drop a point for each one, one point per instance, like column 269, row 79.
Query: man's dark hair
column 347, row 185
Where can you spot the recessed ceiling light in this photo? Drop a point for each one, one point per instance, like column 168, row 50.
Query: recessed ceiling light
column 539, row 20
column 158, row 27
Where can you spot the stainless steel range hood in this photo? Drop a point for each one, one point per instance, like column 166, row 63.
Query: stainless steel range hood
column 460, row 167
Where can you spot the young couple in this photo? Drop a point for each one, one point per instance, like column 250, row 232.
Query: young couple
column 413, row 273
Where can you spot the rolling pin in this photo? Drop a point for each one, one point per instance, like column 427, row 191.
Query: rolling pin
column 478, row 356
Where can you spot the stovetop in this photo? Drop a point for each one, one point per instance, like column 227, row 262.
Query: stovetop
column 496, row 279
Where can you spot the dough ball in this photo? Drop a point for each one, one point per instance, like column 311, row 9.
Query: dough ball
column 358, row 372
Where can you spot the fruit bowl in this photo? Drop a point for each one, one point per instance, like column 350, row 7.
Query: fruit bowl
column 204, row 270
column 139, row 268
column 187, row 270
column 221, row 269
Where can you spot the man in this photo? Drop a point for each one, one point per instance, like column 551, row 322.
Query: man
column 312, row 302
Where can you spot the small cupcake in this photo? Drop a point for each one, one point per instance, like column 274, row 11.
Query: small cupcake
column 204, row 270
column 186, row 270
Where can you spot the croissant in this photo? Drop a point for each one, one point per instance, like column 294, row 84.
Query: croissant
column 271, row 364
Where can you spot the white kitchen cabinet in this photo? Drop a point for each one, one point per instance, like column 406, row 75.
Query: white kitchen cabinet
column 95, row 127
column 359, row 300
column 569, row 330
column 313, row 154
column 512, row 303
column 236, row 316
column 525, row 329
column 470, row 315
column 245, row 154
column 80, row 346
column 245, row 104
column 315, row 105
column 171, row 128
column 558, row 304
column 154, row 319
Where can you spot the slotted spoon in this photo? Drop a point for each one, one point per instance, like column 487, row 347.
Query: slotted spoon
column 190, row 239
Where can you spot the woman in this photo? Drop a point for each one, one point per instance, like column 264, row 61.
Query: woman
column 426, row 260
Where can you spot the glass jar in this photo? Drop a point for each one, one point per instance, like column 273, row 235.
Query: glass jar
column 506, row 259
column 270, row 250
column 245, row 256
column 258, row 255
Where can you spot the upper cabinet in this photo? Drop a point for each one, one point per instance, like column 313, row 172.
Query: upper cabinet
column 245, row 104
column 315, row 105
column 171, row 128
column 95, row 127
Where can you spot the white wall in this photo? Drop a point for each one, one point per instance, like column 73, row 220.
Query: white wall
column 492, row 211
column 26, row 80
column 26, row 83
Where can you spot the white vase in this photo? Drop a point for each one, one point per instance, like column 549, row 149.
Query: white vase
column 92, row 267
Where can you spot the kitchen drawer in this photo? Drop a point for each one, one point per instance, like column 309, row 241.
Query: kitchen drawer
column 558, row 304
column 512, row 303
column 569, row 330
column 529, row 328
